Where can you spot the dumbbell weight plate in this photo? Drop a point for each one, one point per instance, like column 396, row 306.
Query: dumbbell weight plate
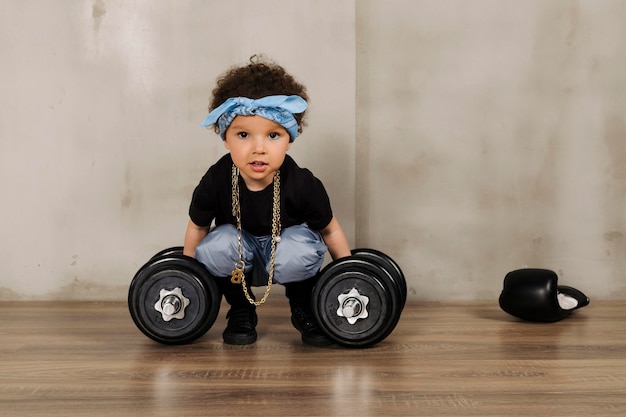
column 337, row 281
column 174, row 250
column 395, row 283
column 168, row 273
column 388, row 264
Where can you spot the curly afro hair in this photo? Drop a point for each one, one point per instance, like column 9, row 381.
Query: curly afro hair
column 259, row 78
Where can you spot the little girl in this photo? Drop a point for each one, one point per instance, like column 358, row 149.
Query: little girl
column 273, row 219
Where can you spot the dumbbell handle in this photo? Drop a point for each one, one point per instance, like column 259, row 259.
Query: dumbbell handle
column 351, row 307
column 171, row 304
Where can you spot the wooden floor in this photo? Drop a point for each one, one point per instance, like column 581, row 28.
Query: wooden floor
column 455, row 359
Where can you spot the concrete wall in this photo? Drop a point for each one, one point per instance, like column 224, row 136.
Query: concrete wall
column 492, row 136
column 464, row 138
column 100, row 114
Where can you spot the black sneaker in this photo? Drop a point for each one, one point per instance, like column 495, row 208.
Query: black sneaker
column 303, row 320
column 241, row 326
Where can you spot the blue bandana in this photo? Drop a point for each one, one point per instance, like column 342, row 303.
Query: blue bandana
column 279, row 109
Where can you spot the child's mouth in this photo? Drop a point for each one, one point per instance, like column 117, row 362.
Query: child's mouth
column 258, row 165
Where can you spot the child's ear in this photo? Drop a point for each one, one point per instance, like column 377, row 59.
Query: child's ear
column 226, row 144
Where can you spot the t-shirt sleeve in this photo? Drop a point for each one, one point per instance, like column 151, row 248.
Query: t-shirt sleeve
column 318, row 211
column 202, row 208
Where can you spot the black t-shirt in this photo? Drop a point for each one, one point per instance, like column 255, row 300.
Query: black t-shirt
column 303, row 199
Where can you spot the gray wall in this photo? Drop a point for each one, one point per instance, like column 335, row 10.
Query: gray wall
column 492, row 136
column 464, row 138
column 100, row 117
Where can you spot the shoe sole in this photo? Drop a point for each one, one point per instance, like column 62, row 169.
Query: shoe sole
column 239, row 339
column 317, row 341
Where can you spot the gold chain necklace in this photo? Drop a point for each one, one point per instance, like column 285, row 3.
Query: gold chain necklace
column 238, row 276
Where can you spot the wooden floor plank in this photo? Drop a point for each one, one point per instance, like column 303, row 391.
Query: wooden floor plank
column 443, row 359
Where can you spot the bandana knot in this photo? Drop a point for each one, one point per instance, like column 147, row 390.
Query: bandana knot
column 279, row 109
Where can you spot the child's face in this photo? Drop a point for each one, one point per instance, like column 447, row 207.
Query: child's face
column 258, row 147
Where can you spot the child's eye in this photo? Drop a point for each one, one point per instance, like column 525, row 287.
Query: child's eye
column 242, row 135
column 274, row 135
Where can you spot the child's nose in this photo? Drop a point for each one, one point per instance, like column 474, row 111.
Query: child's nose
column 259, row 145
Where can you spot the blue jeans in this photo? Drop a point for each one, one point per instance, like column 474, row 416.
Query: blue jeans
column 299, row 254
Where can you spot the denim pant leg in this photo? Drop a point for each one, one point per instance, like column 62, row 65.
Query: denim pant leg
column 299, row 254
column 219, row 251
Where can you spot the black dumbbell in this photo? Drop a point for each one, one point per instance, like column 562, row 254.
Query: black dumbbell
column 358, row 299
column 172, row 298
